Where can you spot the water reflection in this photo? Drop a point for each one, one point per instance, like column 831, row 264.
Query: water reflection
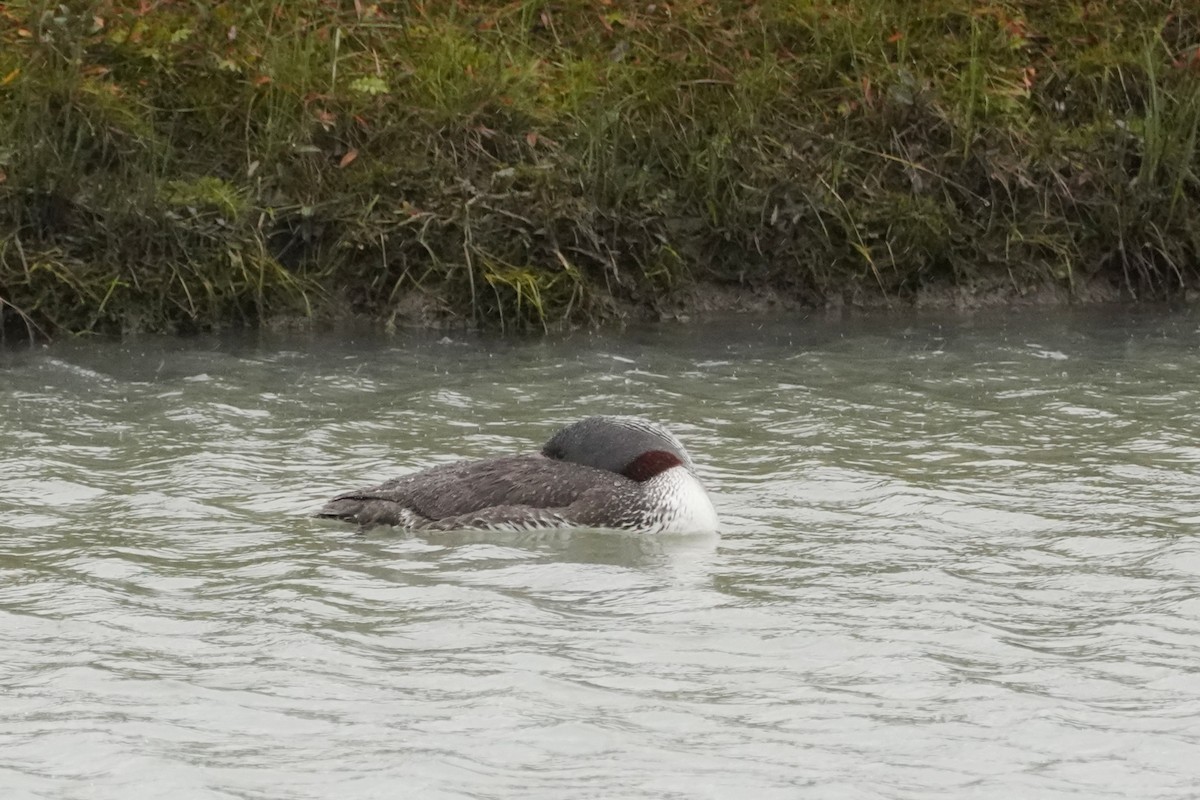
column 462, row 553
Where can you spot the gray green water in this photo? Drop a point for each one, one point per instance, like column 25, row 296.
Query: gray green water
column 960, row 558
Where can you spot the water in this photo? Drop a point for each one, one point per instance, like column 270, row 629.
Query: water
column 959, row 559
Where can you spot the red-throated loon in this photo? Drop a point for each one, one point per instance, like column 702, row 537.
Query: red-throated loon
column 601, row 472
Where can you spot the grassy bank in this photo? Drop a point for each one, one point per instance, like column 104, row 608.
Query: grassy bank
column 170, row 165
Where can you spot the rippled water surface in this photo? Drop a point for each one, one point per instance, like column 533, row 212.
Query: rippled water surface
column 959, row 558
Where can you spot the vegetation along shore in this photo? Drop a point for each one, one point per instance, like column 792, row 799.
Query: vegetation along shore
column 171, row 165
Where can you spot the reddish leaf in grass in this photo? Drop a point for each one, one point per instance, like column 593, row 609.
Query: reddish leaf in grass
column 348, row 159
column 895, row 37
column 532, row 138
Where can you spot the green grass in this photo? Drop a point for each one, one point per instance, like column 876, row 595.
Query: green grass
column 173, row 166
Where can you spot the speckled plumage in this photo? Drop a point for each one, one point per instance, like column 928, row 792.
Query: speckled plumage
column 575, row 481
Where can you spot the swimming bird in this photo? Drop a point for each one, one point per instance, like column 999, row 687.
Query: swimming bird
column 601, row 472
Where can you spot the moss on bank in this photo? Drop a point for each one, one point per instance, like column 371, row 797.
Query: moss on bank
column 171, row 165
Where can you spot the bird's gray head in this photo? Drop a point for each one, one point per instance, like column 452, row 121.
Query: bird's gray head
column 615, row 444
